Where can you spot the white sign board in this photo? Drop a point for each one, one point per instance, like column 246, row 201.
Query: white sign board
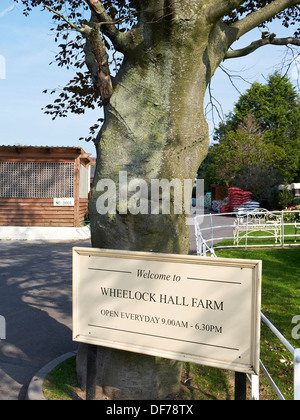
column 186, row 308
column 63, row 202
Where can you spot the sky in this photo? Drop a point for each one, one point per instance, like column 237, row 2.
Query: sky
column 27, row 47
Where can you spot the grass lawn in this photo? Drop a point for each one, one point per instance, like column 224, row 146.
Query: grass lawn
column 280, row 303
column 61, row 383
column 264, row 238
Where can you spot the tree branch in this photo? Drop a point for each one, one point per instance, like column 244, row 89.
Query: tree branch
column 169, row 9
column 96, row 59
column 260, row 43
column 218, row 10
column 262, row 15
column 108, row 25
column 96, row 56
column 77, row 28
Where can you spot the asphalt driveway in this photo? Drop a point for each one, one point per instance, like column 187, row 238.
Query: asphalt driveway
column 36, row 301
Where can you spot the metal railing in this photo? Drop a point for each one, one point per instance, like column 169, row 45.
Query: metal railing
column 296, row 355
column 215, row 231
column 202, row 246
column 202, row 249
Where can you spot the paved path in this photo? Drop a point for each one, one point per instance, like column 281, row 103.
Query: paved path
column 222, row 228
column 36, row 301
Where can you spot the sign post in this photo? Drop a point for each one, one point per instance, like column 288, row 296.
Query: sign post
column 91, row 372
column 186, row 308
column 240, row 390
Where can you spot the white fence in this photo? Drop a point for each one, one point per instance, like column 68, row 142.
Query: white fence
column 295, row 353
column 254, row 380
column 205, row 246
column 247, row 229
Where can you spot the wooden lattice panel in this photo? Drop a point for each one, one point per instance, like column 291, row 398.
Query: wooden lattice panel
column 36, row 179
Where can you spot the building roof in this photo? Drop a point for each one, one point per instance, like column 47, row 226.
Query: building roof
column 35, row 151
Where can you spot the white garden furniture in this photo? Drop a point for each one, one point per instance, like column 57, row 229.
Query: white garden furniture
column 258, row 220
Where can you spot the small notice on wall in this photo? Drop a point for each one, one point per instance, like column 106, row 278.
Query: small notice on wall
column 187, row 308
column 63, row 202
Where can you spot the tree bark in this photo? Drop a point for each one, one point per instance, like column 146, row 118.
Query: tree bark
column 154, row 129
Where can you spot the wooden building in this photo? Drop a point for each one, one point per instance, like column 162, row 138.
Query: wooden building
column 296, row 189
column 293, row 188
column 43, row 186
column 218, row 192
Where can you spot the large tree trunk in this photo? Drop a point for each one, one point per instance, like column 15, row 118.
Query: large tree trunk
column 154, row 129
